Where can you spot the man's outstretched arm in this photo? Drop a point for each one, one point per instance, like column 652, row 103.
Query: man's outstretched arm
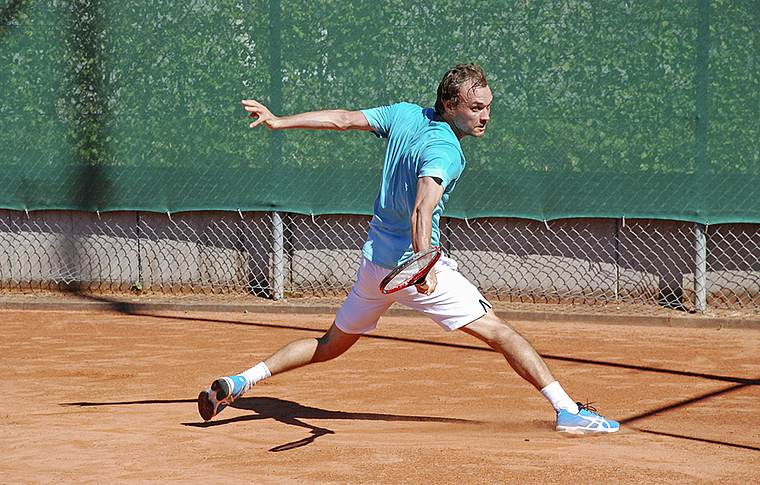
column 337, row 119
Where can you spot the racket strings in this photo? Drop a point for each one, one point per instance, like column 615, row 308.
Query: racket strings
column 410, row 271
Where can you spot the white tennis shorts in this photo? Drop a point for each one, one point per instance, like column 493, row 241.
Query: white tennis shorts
column 454, row 303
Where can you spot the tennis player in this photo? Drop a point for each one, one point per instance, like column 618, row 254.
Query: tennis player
column 423, row 162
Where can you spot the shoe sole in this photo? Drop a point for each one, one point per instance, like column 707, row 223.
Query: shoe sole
column 206, row 406
column 576, row 430
column 222, row 389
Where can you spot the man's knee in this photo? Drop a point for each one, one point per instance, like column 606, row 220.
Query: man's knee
column 490, row 328
column 333, row 343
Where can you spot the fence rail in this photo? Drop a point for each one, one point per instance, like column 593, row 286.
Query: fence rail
column 585, row 261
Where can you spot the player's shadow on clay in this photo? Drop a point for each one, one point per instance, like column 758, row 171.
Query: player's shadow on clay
column 291, row 413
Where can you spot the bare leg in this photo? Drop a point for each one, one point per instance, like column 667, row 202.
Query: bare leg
column 530, row 366
column 520, row 354
column 311, row 350
column 296, row 354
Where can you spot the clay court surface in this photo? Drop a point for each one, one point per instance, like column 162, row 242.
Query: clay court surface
column 107, row 397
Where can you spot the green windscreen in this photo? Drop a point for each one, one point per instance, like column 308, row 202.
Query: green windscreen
column 601, row 109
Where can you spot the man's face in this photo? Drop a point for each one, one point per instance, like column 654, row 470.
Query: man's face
column 472, row 112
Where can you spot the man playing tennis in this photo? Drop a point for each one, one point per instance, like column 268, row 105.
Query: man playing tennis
column 422, row 164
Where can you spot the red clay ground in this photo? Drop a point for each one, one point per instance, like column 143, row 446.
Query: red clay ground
column 98, row 397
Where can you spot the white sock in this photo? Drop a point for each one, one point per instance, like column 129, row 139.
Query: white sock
column 257, row 373
column 559, row 398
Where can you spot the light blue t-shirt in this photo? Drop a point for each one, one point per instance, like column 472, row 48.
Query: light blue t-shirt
column 418, row 147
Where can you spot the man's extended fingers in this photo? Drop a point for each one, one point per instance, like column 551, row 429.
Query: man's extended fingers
column 252, row 105
column 257, row 110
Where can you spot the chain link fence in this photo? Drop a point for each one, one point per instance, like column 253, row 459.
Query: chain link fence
column 116, row 112
column 593, row 261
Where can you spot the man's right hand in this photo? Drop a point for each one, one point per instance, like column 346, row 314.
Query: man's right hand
column 428, row 286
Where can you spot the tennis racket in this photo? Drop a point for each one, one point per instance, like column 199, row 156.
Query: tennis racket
column 412, row 271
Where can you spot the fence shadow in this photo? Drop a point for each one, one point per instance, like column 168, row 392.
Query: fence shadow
column 291, row 413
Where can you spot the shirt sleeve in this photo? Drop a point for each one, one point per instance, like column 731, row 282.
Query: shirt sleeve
column 441, row 162
column 379, row 119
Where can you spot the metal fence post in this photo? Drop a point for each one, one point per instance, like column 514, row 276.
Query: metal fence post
column 275, row 79
column 700, row 267
column 278, row 256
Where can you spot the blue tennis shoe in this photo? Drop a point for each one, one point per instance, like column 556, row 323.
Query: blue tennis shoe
column 585, row 422
column 221, row 394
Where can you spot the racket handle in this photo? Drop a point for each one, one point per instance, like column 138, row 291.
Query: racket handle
column 420, row 280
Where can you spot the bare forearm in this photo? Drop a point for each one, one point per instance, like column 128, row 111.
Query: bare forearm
column 336, row 119
column 429, row 192
column 422, row 230
column 340, row 120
